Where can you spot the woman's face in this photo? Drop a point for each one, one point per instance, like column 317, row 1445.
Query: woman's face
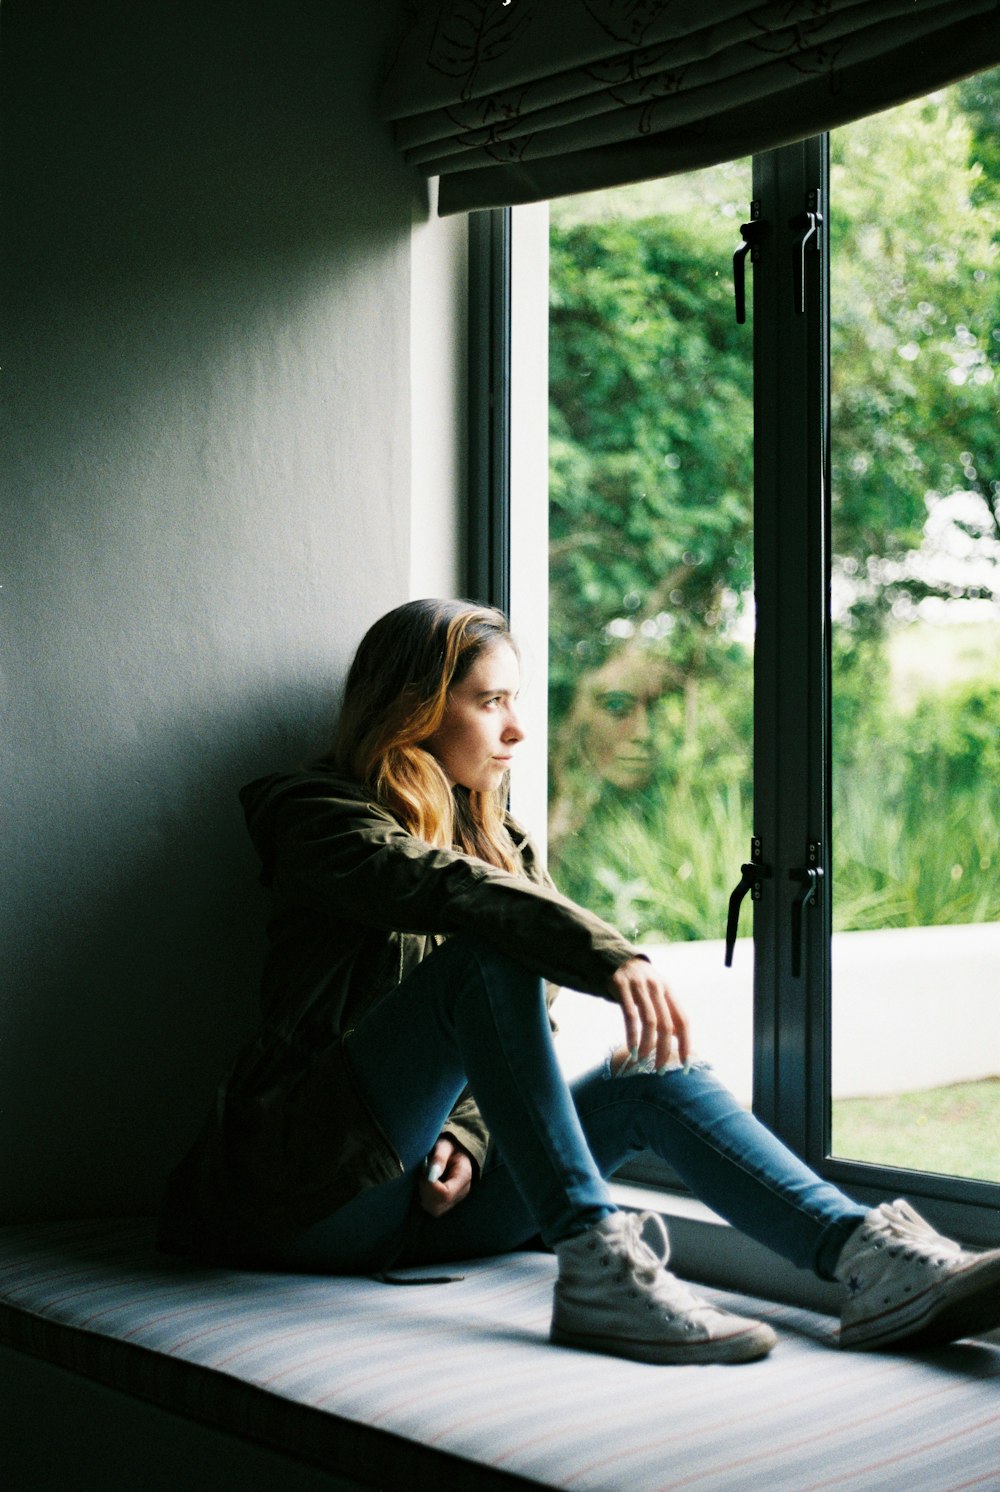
column 619, row 739
column 613, row 719
column 481, row 728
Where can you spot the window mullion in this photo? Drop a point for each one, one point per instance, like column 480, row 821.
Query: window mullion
column 488, row 548
column 790, row 724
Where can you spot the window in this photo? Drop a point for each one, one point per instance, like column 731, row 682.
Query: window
column 650, row 582
column 915, row 638
column 810, row 670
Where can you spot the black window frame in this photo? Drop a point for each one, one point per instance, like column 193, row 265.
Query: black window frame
column 792, row 725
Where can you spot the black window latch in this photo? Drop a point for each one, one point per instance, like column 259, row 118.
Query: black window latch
column 752, row 877
column 753, row 234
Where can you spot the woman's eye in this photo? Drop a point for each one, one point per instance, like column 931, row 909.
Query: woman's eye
column 617, row 703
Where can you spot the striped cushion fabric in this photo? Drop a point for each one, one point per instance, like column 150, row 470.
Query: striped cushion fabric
column 454, row 1385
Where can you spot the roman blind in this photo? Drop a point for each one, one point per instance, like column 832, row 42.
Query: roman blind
column 513, row 101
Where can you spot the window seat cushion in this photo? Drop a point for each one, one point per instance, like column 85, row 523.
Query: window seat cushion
column 455, row 1385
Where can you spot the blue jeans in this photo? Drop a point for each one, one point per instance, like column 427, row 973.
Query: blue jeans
column 470, row 1015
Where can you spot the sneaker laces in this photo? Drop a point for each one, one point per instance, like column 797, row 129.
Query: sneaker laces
column 643, row 1244
column 899, row 1225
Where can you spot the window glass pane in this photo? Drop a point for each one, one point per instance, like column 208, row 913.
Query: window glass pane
column 651, row 614
column 916, row 642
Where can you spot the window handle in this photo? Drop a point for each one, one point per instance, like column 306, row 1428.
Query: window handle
column 810, row 877
column 752, row 876
column 809, row 238
column 753, row 234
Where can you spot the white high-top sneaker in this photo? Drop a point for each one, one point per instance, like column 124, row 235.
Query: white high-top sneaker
column 614, row 1295
column 905, row 1282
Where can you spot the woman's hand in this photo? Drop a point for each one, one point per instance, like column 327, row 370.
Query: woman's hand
column 653, row 1018
column 455, row 1183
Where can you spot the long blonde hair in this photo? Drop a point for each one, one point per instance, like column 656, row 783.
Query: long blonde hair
column 395, row 698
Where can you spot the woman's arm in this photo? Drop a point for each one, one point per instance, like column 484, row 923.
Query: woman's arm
column 325, row 844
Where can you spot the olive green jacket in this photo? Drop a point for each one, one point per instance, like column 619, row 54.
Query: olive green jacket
column 358, row 901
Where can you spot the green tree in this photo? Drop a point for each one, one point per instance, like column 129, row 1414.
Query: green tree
column 914, row 350
column 651, row 458
column 651, row 462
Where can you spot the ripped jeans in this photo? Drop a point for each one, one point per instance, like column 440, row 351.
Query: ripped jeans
column 470, row 1015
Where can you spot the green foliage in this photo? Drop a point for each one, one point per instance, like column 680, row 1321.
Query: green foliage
column 915, row 339
column 979, row 98
column 916, row 811
column 954, row 741
column 655, row 874
column 651, row 459
column 651, row 514
column 655, row 863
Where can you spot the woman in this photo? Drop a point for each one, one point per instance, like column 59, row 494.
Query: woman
column 351, row 1135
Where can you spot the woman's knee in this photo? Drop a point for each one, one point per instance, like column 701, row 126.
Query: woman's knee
column 493, row 966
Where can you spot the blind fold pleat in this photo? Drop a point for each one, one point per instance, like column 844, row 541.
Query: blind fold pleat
column 537, row 98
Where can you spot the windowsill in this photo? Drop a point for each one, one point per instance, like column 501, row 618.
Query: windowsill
column 704, row 1247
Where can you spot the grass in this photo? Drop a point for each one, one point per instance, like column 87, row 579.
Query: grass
column 952, row 1131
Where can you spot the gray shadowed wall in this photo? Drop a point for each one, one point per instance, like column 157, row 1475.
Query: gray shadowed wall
column 206, row 451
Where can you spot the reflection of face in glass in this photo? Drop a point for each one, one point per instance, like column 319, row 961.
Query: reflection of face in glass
column 620, row 743
column 606, row 738
column 615, row 725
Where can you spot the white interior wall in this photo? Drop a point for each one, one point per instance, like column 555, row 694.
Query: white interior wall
column 529, row 478
column 439, row 318
column 209, row 309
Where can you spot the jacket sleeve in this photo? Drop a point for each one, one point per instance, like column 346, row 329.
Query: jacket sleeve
column 354, row 859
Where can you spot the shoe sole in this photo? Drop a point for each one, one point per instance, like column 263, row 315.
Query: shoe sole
column 743, row 1346
column 965, row 1305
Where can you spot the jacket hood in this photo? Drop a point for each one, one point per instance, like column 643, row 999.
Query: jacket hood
column 258, row 799
column 265, row 798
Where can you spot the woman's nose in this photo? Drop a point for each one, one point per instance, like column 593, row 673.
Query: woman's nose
column 644, row 724
column 513, row 730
